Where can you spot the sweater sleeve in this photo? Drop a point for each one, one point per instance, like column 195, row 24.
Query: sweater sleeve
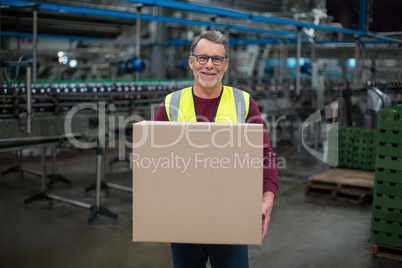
column 270, row 172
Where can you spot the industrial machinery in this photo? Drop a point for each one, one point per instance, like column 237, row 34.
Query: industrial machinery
column 376, row 100
column 79, row 114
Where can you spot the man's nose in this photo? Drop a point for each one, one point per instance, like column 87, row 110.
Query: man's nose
column 209, row 63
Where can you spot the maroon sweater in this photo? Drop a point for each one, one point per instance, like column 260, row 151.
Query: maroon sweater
column 205, row 113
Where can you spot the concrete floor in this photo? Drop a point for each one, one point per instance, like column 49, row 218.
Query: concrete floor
column 304, row 232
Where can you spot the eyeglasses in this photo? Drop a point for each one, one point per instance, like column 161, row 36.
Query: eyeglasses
column 203, row 59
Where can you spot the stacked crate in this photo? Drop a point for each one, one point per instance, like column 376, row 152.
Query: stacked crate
column 359, row 149
column 356, row 148
column 346, row 146
column 386, row 224
column 364, row 153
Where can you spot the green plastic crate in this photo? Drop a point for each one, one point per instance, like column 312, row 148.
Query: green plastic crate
column 388, row 188
column 386, row 226
column 388, row 201
column 389, row 162
column 390, row 149
column 386, row 213
column 390, row 119
column 386, row 239
column 388, row 175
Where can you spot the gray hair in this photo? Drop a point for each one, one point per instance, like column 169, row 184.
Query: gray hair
column 213, row 36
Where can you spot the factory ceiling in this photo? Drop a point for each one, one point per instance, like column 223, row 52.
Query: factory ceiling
column 384, row 16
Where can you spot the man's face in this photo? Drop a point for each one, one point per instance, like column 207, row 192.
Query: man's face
column 208, row 75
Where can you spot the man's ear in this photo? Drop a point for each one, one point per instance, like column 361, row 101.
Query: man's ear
column 227, row 64
column 190, row 62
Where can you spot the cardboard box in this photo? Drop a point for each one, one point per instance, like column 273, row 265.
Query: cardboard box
column 197, row 182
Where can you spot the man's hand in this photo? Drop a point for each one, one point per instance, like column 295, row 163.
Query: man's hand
column 267, row 204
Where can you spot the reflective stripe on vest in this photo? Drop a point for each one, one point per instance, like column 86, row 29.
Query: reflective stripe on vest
column 233, row 106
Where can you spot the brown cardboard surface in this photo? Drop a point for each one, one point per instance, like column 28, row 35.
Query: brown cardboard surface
column 197, row 182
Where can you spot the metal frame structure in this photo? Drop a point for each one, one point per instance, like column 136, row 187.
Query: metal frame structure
column 207, row 10
column 289, row 35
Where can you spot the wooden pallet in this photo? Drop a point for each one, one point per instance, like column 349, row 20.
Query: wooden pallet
column 388, row 252
column 355, row 186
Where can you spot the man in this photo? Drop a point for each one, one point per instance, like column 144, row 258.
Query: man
column 209, row 101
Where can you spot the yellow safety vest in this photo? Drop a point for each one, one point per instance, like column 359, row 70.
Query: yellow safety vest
column 233, row 106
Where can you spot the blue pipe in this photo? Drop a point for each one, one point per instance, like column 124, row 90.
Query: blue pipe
column 362, row 15
column 133, row 16
column 182, row 42
column 242, row 15
column 177, row 5
column 194, row 8
column 50, row 36
column 347, row 42
column 257, row 41
column 301, row 24
column 261, row 31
